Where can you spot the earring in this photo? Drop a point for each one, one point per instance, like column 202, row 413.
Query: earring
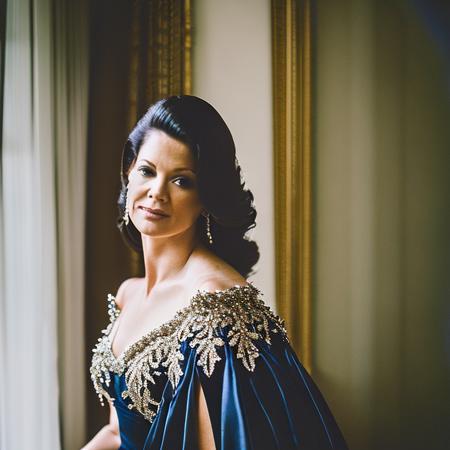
column 208, row 230
column 126, row 216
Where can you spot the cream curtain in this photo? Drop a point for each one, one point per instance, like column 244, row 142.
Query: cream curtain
column 42, row 226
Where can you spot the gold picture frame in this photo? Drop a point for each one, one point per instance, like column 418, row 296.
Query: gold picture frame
column 291, row 59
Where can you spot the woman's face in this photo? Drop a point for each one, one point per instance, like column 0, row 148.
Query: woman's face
column 163, row 177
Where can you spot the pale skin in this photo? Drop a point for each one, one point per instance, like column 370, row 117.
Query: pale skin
column 176, row 264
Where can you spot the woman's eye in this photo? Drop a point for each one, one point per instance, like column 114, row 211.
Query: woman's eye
column 184, row 182
column 181, row 181
column 145, row 170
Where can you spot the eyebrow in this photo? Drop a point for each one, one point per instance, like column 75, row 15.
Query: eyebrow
column 179, row 169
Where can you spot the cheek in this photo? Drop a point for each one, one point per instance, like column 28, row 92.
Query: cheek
column 188, row 202
column 136, row 185
column 133, row 191
column 132, row 175
column 136, row 181
column 131, row 182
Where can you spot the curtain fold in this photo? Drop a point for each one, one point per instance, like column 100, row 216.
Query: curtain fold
column 42, row 226
column 29, row 254
column 160, row 53
column 71, row 117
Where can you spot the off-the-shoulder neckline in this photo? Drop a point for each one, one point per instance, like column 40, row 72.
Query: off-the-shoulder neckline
column 179, row 313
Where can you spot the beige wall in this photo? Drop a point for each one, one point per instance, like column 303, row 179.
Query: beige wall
column 382, row 219
column 232, row 70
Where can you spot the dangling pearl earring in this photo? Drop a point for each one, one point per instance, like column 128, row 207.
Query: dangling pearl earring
column 126, row 216
column 208, row 230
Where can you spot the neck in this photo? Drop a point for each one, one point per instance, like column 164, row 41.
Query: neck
column 165, row 258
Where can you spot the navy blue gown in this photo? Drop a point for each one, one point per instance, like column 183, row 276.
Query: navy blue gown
column 259, row 396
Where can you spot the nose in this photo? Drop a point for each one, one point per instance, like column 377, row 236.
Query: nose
column 157, row 189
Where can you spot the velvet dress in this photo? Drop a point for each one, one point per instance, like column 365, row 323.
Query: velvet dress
column 258, row 394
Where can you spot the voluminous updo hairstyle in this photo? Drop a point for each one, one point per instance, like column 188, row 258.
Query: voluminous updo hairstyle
column 197, row 124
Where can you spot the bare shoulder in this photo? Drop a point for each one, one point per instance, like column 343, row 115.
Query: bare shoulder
column 221, row 283
column 209, row 272
column 124, row 291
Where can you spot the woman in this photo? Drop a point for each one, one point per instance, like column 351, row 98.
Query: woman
column 192, row 357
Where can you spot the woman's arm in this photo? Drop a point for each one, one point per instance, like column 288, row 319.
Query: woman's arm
column 108, row 438
column 205, row 432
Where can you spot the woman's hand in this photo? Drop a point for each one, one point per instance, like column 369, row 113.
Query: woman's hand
column 108, row 438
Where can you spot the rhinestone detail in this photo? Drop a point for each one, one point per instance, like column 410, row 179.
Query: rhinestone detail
column 240, row 308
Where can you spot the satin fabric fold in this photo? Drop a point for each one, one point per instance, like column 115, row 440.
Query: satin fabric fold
column 277, row 406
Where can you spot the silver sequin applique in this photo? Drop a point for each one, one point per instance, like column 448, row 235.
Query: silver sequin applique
column 239, row 308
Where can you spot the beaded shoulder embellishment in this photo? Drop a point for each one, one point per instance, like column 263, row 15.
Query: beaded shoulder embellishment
column 239, row 308
column 103, row 359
